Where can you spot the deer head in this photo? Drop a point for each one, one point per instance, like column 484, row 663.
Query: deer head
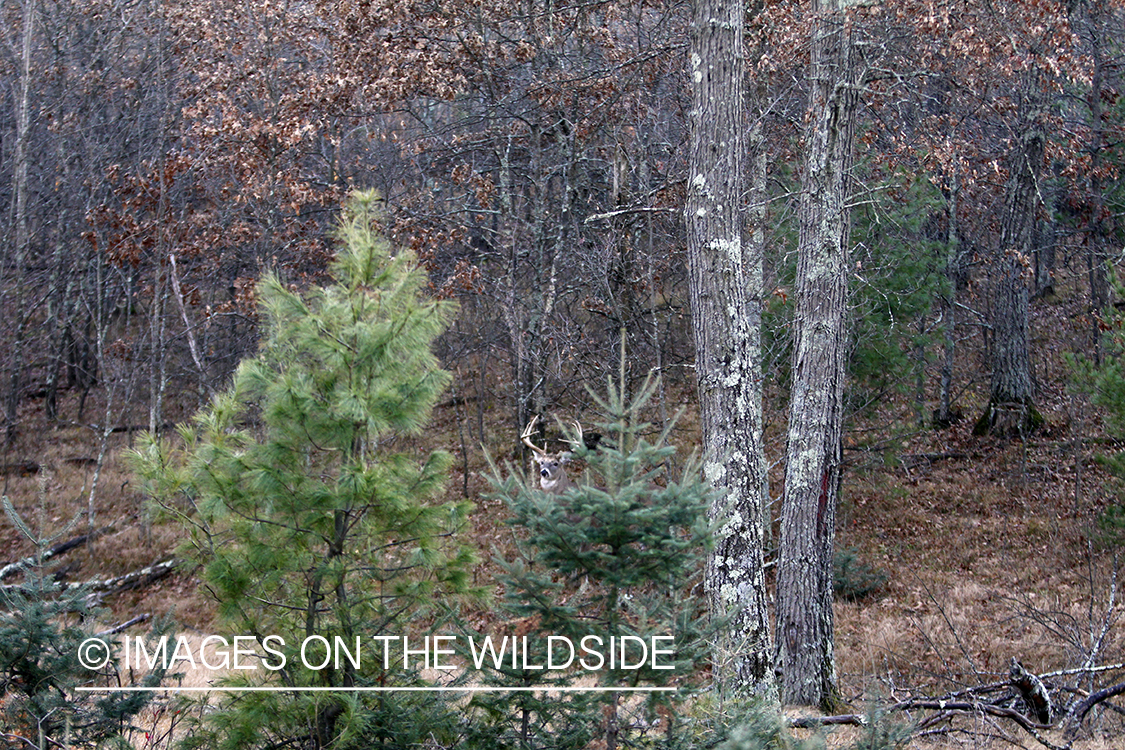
column 550, row 466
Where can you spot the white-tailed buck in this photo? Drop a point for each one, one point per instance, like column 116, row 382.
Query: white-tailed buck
column 550, row 466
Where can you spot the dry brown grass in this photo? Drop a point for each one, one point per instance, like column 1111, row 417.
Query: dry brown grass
column 62, row 490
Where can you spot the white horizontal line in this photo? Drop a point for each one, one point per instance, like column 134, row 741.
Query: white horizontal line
column 407, row 689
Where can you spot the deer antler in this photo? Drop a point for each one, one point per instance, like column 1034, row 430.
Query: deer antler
column 526, row 437
column 577, row 428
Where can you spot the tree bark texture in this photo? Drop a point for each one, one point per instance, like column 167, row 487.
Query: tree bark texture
column 725, row 289
column 1011, row 408
column 804, row 584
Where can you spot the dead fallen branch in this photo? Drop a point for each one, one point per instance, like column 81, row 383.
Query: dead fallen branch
column 812, row 722
column 141, row 427
column 1022, row 688
column 122, row 626
column 10, row 569
column 19, row 468
column 923, row 704
column 947, row 709
column 117, row 429
column 973, row 707
column 100, row 588
column 910, row 460
column 1079, row 711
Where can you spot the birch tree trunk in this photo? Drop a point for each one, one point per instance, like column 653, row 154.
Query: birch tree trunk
column 804, row 583
column 725, row 287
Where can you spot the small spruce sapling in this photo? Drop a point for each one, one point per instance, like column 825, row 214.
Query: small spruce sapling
column 615, row 555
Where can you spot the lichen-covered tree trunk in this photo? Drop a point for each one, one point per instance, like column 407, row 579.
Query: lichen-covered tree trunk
column 725, row 287
column 1011, row 407
column 804, row 583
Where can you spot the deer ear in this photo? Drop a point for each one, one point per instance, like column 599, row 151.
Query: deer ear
column 566, row 457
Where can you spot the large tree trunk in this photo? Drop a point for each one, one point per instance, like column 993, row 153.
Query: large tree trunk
column 1011, row 408
column 726, row 316
column 804, row 583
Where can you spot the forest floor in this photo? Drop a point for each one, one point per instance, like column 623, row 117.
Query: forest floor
column 990, row 547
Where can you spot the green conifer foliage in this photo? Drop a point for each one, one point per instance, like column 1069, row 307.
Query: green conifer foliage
column 897, row 278
column 306, row 518
column 897, row 281
column 43, row 625
column 1104, row 384
column 616, row 555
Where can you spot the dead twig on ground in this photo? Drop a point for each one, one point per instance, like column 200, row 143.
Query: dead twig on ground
column 969, row 701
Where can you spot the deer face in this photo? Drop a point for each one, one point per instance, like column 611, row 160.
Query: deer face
column 552, row 474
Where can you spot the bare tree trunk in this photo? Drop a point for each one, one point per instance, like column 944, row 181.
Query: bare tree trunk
column 157, row 374
column 57, row 299
column 726, row 318
column 1090, row 19
column 920, row 373
column 945, row 416
column 808, row 512
column 1011, row 409
column 22, row 238
column 1046, row 243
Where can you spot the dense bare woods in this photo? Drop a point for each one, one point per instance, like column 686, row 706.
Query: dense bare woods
column 537, row 156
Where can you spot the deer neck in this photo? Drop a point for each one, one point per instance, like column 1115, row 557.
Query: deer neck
column 558, row 485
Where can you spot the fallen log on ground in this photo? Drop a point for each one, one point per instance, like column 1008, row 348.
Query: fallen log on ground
column 19, row 468
column 10, row 569
column 123, row 625
column 100, row 588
